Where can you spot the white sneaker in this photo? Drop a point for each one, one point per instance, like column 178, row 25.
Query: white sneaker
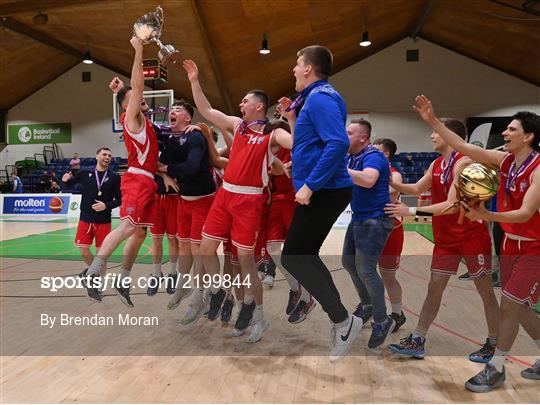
column 343, row 337
column 258, row 327
column 177, row 297
column 268, row 280
column 194, row 312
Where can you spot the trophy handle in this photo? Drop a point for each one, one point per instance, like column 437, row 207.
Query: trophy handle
column 159, row 15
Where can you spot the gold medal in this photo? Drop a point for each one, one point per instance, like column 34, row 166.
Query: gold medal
column 99, row 193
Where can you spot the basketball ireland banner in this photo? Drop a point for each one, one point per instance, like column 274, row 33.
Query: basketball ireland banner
column 26, row 134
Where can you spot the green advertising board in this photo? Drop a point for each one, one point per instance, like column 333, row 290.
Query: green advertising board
column 25, row 134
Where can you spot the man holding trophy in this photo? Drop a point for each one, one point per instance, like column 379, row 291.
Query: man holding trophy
column 518, row 200
column 453, row 241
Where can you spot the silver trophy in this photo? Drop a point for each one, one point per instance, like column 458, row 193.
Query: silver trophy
column 148, row 29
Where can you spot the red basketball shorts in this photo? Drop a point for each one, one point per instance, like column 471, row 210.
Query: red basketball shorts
column 191, row 216
column 520, row 270
column 475, row 251
column 138, row 199
column 237, row 215
column 391, row 254
column 165, row 217
column 87, row 232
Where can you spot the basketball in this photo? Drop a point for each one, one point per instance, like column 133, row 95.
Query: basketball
column 478, row 181
column 56, row 204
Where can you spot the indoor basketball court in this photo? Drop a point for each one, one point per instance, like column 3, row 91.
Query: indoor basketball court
column 68, row 78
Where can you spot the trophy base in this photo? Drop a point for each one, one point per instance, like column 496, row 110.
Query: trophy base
column 168, row 55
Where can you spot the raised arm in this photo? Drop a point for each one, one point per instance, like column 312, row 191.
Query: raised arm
column 134, row 119
column 424, row 108
column 216, row 117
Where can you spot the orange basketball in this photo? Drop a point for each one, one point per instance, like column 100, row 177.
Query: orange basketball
column 56, row 204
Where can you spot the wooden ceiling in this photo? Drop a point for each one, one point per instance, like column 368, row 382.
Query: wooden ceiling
column 223, row 37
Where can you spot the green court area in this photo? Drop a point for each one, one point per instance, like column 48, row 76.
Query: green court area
column 58, row 245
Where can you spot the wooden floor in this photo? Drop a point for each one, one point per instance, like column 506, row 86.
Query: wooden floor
column 169, row 363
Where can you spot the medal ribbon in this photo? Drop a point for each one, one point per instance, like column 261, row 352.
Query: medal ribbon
column 445, row 176
column 100, row 183
column 513, row 174
column 243, row 126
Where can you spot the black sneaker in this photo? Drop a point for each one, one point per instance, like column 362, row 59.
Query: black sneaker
column 171, row 283
column 483, row 355
column 486, row 380
column 123, row 294
column 465, row 277
column 379, row 333
column 153, row 285
column 363, row 311
column 532, row 373
column 226, row 309
column 244, row 319
column 294, row 297
column 400, row 321
column 88, row 282
column 302, row 310
column 497, row 284
column 216, row 300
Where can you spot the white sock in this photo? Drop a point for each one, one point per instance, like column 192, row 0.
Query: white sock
column 125, row 273
column 498, row 359
column 344, row 323
column 305, row 295
column 396, row 307
column 172, row 268
column 418, row 334
column 157, row 270
column 258, row 313
column 248, row 299
column 96, row 266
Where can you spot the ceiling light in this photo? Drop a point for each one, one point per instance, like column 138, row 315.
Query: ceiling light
column 87, row 58
column 365, row 39
column 264, row 46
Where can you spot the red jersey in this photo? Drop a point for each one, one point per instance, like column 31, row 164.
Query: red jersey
column 282, row 186
column 446, row 229
column 142, row 147
column 249, row 161
column 513, row 199
column 398, row 220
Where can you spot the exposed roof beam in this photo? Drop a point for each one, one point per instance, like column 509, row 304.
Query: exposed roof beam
column 23, row 29
column 221, row 83
column 422, row 21
column 36, row 5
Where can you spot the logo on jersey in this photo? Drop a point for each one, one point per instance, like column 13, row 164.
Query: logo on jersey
column 522, row 186
column 254, row 140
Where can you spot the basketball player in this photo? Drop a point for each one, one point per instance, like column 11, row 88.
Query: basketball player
column 164, row 223
column 138, row 186
column 453, row 242
column 188, row 163
column 100, row 195
column 165, row 215
column 519, row 215
column 238, row 206
column 391, row 254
